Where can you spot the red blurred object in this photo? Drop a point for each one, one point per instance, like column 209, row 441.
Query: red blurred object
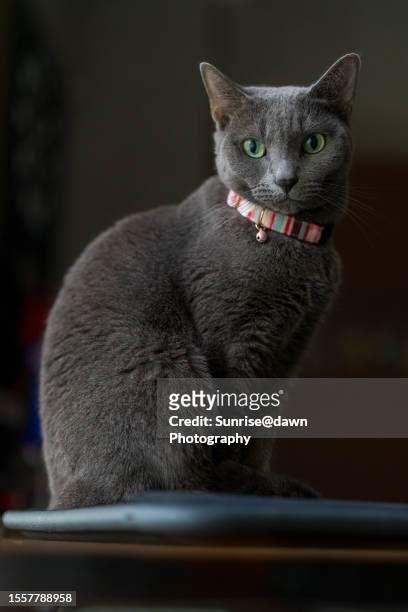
column 34, row 311
column 11, row 500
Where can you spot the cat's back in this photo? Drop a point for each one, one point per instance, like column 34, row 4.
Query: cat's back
column 124, row 269
column 133, row 247
column 142, row 247
column 125, row 284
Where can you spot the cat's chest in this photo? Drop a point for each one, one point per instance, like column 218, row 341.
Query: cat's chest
column 281, row 269
column 264, row 282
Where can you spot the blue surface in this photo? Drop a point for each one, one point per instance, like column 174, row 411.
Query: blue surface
column 233, row 517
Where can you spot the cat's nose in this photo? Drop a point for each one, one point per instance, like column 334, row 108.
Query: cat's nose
column 286, row 182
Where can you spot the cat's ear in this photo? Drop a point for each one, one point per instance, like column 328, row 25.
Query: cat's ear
column 225, row 96
column 338, row 84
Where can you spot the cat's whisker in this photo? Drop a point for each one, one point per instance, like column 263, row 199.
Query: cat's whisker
column 349, row 192
column 343, row 193
column 363, row 188
column 360, row 222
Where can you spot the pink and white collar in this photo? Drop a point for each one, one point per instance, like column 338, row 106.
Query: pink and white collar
column 266, row 219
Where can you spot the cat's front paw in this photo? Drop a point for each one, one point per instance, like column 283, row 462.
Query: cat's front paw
column 233, row 477
column 294, row 488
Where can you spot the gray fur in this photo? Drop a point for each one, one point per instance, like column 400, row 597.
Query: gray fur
column 186, row 291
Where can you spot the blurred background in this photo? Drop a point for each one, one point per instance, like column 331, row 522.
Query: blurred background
column 102, row 113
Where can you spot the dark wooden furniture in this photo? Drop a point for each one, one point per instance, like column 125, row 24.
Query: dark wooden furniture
column 238, row 559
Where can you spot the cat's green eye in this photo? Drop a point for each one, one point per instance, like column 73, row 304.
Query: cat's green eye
column 253, row 148
column 314, row 143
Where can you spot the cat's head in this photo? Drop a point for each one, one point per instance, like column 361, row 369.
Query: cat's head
column 286, row 148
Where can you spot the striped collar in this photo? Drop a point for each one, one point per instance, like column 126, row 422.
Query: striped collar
column 266, row 219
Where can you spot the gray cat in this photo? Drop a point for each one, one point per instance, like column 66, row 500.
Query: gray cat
column 200, row 290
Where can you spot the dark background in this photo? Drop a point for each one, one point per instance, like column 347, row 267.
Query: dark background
column 102, row 113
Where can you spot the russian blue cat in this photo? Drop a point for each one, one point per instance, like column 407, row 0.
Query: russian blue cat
column 232, row 283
